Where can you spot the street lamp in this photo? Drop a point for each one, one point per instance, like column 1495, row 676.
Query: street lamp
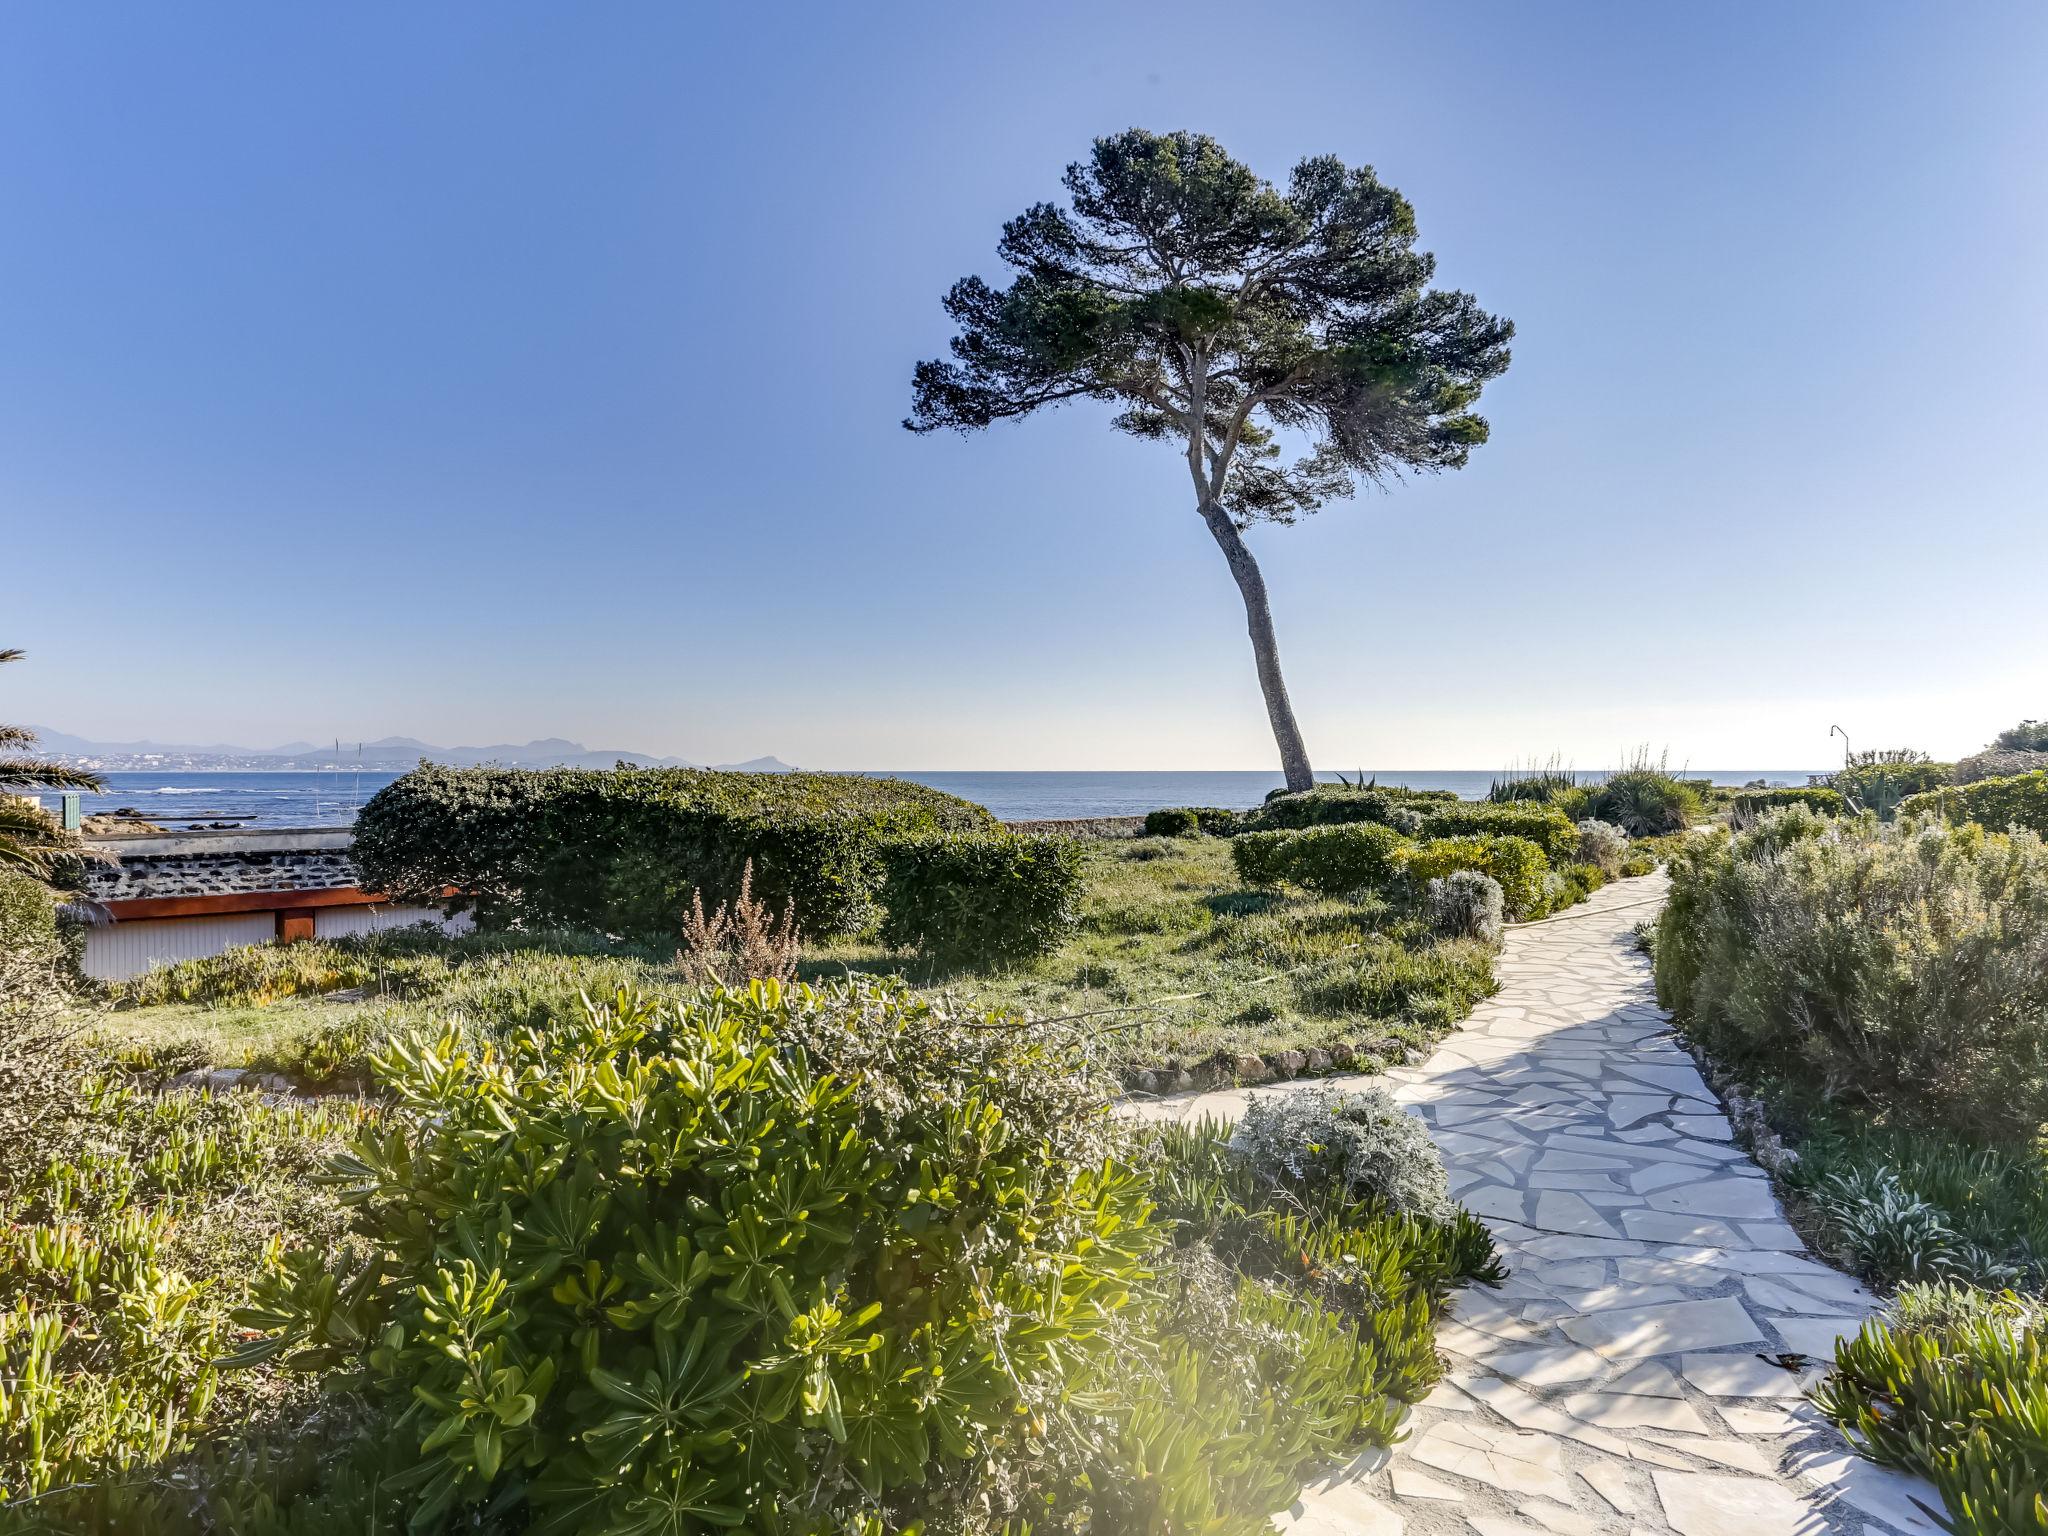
column 1836, row 730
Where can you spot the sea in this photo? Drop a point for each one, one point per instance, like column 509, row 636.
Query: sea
column 190, row 800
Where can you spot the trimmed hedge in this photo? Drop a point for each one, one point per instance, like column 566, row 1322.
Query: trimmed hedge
column 1545, row 826
column 1336, row 861
column 1517, row 864
column 980, row 898
column 1258, row 858
column 1995, row 804
column 1329, row 804
column 1822, row 801
column 1331, row 861
column 621, row 850
column 1190, row 821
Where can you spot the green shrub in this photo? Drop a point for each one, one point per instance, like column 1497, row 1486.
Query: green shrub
column 1331, row 803
column 1465, row 905
column 1359, row 1145
column 1907, row 1204
column 1994, row 804
column 1997, row 764
column 1752, row 803
column 1174, row 821
column 1190, row 821
column 130, row 1224
column 1602, row 845
column 1902, row 967
column 1257, row 857
column 822, row 1261
column 1643, row 801
column 1341, row 860
column 982, row 899
column 1953, row 1385
column 622, row 851
column 1541, row 785
column 2027, row 736
column 1545, row 826
column 1878, row 781
column 1515, row 863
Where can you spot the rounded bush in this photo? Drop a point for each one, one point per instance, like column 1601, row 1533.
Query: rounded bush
column 1602, row 845
column 1360, row 1145
column 980, row 899
column 1175, row 821
column 1465, row 905
column 1257, row 858
column 1515, row 863
column 1341, row 860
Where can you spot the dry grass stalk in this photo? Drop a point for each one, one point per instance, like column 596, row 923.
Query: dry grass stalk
column 740, row 943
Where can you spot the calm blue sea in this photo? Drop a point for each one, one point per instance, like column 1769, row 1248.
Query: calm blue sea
column 182, row 800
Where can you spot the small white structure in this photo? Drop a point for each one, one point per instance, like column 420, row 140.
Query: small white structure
column 165, row 896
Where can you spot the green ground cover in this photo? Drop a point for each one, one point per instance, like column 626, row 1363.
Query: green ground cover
column 1172, row 955
column 847, row 1259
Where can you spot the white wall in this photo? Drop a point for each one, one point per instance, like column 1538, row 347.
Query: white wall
column 335, row 922
column 117, row 951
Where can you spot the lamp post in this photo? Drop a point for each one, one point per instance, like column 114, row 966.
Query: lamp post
column 1836, row 730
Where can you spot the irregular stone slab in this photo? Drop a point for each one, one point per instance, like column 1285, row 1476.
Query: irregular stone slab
column 1738, row 1454
column 1550, row 1366
column 1517, row 1462
column 1739, row 1376
column 1904, row 1503
column 1411, row 1484
column 1758, row 1421
column 1632, row 1333
column 1344, row 1509
column 1711, row 1504
column 1668, row 1227
column 1561, row 1211
column 1625, row 1411
column 1611, row 1481
column 1718, row 1197
column 1815, row 1336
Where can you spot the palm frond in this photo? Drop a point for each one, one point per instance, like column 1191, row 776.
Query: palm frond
column 30, row 837
column 45, row 773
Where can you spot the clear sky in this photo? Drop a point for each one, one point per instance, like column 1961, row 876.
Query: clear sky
column 482, row 372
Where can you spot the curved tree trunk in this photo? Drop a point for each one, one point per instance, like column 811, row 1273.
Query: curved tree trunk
column 1265, row 647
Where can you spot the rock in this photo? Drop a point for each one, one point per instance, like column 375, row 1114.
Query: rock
column 1287, row 1063
column 210, row 1079
column 1213, row 1071
column 1342, row 1056
column 1318, row 1061
column 1251, row 1069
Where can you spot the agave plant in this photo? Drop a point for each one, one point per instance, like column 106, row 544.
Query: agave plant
column 29, row 835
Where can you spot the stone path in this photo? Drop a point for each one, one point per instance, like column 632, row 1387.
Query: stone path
column 1627, row 1377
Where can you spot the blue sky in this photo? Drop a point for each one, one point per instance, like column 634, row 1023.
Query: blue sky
column 487, row 372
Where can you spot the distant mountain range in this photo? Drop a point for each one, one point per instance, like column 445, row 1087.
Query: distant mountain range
column 393, row 754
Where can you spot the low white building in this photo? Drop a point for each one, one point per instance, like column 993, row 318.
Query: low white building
column 164, row 896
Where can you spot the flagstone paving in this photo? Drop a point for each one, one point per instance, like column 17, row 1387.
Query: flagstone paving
column 1643, row 1369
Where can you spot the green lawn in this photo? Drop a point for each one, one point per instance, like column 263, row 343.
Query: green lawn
column 1172, row 955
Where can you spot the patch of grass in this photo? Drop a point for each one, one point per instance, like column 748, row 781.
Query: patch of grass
column 1165, row 924
column 1904, row 1205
